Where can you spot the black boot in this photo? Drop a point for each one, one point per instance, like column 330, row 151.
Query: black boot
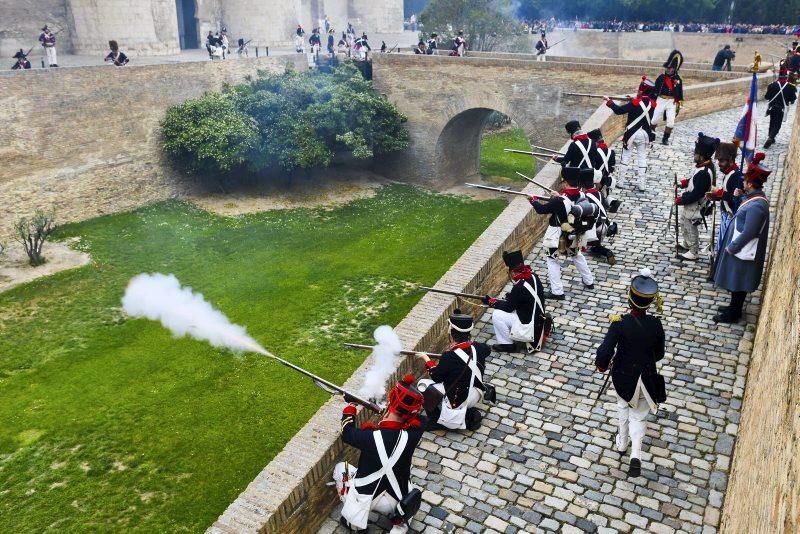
column 665, row 138
column 473, row 419
column 770, row 142
column 635, row 469
column 504, row 347
column 550, row 296
column 727, row 316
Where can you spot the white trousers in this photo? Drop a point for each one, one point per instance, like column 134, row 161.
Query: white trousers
column 502, row 322
column 632, row 425
column 50, row 51
column 637, row 143
column 473, row 399
column 554, row 272
column 666, row 107
column 541, row 57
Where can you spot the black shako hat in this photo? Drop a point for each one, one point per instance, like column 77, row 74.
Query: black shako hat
column 19, row 55
column 572, row 175
column 643, row 289
column 513, row 259
column 460, row 322
column 572, row 126
column 595, row 135
column 705, row 145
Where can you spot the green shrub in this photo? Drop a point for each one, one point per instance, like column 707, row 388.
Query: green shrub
column 208, row 135
column 284, row 122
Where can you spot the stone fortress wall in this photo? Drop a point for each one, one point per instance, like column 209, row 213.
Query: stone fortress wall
column 150, row 27
column 763, row 491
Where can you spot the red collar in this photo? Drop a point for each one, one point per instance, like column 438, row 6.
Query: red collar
column 593, row 189
column 463, row 345
column 732, row 168
column 521, row 273
column 572, row 192
column 580, row 137
column 602, row 145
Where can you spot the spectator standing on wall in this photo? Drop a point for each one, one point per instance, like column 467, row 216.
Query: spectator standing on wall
column 48, row 40
column 741, row 266
column 116, row 56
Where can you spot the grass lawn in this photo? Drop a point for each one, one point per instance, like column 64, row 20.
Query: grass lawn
column 500, row 167
column 110, row 424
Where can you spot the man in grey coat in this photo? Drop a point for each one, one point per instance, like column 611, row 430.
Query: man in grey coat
column 741, row 265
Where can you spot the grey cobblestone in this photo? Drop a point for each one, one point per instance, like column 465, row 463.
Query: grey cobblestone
column 544, row 457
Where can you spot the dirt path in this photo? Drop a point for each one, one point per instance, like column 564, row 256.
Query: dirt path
column 15, row 270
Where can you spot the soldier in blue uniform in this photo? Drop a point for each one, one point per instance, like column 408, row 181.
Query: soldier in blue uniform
column 669, row 91
column 633, row 344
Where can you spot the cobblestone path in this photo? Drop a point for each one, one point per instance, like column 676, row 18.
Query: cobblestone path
column 544, row 458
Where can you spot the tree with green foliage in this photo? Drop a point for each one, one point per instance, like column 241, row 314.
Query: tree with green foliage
column 284, row 122
column 208, row 135
column 486, row 23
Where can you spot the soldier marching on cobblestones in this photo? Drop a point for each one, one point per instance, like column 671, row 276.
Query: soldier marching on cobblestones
column 780, row 95
column 635, row 342
column 693, row 200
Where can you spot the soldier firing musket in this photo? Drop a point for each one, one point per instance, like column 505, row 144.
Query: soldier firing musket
column 520, row 316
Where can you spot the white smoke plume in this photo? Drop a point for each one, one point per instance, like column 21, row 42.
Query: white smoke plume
column 385, row 357
column 160, row 297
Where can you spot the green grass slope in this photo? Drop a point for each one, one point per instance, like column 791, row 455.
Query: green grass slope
column 110, row 424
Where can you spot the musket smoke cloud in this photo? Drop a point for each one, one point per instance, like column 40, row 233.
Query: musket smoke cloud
column 160, row 297
column 385, row 355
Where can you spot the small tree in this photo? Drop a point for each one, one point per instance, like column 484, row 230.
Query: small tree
column 33, row 232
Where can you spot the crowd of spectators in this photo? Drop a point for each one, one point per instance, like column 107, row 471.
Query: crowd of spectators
column 639, row 26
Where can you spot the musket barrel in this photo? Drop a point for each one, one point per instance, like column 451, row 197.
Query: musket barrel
column 432, row 355
column 547, row 149
column 453, row 293
column 499, row 190
column 534, row 182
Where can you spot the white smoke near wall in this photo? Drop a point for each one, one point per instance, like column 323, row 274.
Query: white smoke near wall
column 385, row 360
column 160, row 297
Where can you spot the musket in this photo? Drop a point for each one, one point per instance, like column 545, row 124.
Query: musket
column 499, row 190
column 432, row 355
column 557, row 42
column 454, row 293
column 547, row 149
column 590, row 95
column 324, row 384
column 675, row 184
column 529, row 153
column 534, row 182
column 392, row 49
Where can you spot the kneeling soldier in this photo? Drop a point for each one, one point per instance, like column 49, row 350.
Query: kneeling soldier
column 458, row 377
column 381, row 483
column 632, row 346
column 521, row 315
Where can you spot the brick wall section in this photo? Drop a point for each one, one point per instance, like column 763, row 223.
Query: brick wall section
column 764, row 489
column 290, row 494
column 85, row 141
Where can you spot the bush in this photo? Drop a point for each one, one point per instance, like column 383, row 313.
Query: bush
column 284, row 122
column 208, row 135
column 33, row 232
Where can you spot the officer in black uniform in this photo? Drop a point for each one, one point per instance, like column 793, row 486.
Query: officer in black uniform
column 780, row 95
column 462, row 361
column 382, row 481
column 632, row 346
column 669, row 91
